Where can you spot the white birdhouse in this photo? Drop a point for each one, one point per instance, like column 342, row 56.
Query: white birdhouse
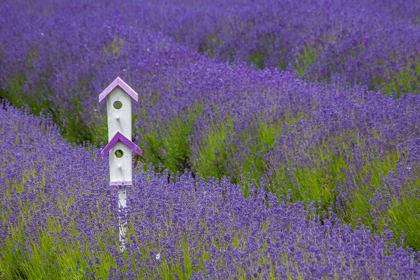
column 118, row 102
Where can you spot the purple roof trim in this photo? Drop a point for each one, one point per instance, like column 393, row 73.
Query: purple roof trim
column 119, row 137
column 121, row 84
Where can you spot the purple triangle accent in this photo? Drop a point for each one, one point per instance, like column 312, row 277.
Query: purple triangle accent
column 119, row 137
column 119, row 82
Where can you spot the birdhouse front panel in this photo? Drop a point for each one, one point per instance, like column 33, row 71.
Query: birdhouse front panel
column 120, row 164
column 118, row 105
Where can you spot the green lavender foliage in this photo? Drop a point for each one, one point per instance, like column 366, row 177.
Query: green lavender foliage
column 59, row 219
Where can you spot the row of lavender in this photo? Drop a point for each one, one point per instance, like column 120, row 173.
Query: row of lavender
column 375, row 42
column 59, row 220
column 330, row 143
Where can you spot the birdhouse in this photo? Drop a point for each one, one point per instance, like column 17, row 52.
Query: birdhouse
column 120, row 152
column 118, row 102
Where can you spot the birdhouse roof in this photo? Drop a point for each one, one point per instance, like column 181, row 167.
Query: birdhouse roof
column 119, row 137
column 119, row 82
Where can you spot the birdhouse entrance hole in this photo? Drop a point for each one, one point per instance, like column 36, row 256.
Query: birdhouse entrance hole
column 119, row 153
column 117, row 104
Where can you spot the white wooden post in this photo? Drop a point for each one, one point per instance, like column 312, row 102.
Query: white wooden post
column 118, row 103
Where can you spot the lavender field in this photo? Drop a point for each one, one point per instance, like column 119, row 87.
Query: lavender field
column 280, row 139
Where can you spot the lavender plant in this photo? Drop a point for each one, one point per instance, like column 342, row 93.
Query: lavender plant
column 374, row 43
column 59, row 220
column 331, row 143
